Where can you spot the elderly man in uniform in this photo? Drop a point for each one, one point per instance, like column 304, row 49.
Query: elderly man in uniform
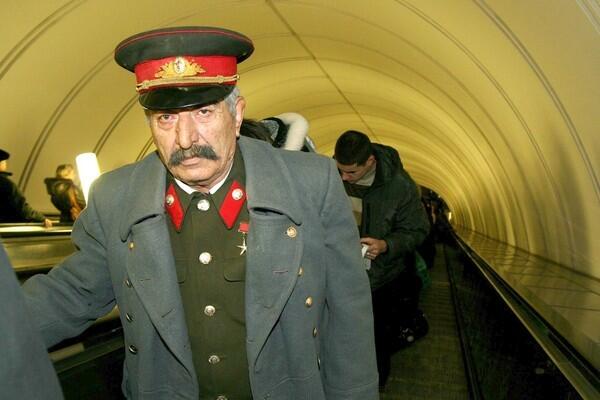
column 235, row 266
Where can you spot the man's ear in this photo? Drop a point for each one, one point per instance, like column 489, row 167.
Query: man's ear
column 240, row 107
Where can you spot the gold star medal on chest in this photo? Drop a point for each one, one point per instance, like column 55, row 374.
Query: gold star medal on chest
column 243, row 229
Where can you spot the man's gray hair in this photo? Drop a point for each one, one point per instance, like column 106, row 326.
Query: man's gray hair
column 231, row 99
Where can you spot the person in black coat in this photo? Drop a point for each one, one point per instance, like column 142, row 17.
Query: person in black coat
column 13, row 205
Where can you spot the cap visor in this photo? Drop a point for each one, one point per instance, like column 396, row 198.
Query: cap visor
column 184, row 97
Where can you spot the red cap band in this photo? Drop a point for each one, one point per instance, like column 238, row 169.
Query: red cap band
column 186, row 71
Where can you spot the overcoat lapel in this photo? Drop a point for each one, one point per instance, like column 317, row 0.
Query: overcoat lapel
column 150, row 264
column 274, row 255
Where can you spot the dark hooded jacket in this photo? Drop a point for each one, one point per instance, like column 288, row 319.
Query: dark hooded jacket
column 392, row 210
column 13, row 206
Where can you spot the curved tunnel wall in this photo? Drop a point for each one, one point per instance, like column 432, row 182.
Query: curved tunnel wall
column 492, row 104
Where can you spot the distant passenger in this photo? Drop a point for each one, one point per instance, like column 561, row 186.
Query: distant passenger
column 26, row 372
column 236, row 267
column 427, row 248
column 392, row 222
column 13, row 206
column 64, row 193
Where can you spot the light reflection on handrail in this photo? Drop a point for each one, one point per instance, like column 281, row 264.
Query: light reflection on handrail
column 33, row 229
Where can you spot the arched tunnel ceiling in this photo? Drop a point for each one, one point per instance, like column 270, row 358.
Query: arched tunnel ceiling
column 492, row 104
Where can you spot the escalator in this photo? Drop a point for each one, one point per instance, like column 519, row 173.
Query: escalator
column 486, row 340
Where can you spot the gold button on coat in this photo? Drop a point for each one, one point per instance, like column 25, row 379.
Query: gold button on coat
column 203, row 205
column 132, row 349
column 210, row 310
column 128, row 317
column 237, row 194
column 308, row 302
column 214, row 359
column 205, row 257
column 131, row 245
column 314, row 332
column 128, row 283
column 221, row 397
column 291, row 232
column 300, row 271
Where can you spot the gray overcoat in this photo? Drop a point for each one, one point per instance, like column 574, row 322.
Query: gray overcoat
column 321, row 348
column 26, row 372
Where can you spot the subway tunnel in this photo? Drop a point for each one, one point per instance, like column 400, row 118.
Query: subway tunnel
column 491, row 104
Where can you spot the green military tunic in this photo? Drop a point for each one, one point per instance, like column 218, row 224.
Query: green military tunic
column 210, row 262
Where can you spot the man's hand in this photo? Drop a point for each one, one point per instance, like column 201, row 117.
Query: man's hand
column 47, row 223
column 376, row 247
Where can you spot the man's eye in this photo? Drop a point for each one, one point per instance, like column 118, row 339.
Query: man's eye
column 204, row 111
column 166, row 117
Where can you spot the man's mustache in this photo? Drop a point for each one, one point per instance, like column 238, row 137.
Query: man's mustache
column 200, row 151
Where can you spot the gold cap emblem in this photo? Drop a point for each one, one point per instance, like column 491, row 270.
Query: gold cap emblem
column 178, row 68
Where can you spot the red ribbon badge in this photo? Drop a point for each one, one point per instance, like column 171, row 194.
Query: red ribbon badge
column 243, row 229
column 244, row 226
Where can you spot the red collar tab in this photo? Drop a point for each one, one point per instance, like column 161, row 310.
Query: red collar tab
column 186, row 71
column 173, row 207
column 233, row 203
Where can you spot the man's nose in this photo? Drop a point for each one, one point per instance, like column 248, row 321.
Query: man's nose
column 345, row 176
column 186, row 131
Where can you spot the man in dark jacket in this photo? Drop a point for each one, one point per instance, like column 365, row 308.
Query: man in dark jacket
column 392, row 222
column 13, row 206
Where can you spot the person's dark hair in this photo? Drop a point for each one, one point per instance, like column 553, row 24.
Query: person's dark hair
column 63, row 169
column 255, row 129
column 353, row 147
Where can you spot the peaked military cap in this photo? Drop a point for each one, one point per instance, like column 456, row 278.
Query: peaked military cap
column 183, row 66
column 4, row 155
